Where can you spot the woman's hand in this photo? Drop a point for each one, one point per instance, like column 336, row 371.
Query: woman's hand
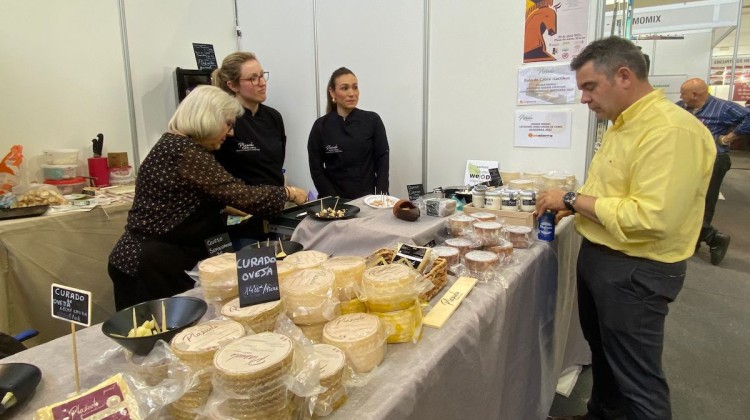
column 298, row 195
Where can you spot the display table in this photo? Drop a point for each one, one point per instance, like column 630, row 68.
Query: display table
column 370, row 230
column 498, row 357
column 66, row 248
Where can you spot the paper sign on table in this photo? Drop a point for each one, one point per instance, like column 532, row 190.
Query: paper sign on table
column 449, row 302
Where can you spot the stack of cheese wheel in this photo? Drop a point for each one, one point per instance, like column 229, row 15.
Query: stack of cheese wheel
column 347, row 271
column 404, row 325
column 521, row 184
column 196, row 347
column 218, row 277
column 519, row 236
column 482, row 216
column 460, row 224
column 332, row 362
column 259, row 318
column 360, row 336
column 554, row 182
column 481, row 264
column 313, row 332
column 308, row 296
column 452, row 255
column 306, row 259
column 503, row 249
column 251, row 372
column 488, row 232
column 463, row 245
column 285, row 269
column 390, row 287
column 536, row 177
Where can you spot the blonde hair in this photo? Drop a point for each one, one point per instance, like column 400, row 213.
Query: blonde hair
column 204, row 113
column 231, row 70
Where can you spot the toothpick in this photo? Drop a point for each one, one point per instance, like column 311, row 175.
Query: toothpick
column 163, row 317
column 336, row 204
column 135, row 324
column 156, row 324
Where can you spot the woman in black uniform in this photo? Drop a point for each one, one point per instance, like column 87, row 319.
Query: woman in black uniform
column 179, row 194
column 348, row 148
column 256, row 150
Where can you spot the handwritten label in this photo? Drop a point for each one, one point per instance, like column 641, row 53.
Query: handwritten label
column 70, row 304
column 205, row 56
column 415, row 191
column 257, row 276
column 217, row 245
column 449, row 302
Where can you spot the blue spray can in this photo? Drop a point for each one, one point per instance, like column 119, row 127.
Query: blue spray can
column 547, row 226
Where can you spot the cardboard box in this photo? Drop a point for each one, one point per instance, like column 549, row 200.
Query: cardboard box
column 516, row 218
column 117, row 159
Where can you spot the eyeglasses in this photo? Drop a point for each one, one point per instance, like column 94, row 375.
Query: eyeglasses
column 253, row 79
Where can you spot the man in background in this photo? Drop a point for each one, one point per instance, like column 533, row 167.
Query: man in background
column 727, row 122
column 639, row 213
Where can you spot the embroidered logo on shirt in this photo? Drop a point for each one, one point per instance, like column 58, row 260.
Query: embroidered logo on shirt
column 247, row 147
column 330, row 149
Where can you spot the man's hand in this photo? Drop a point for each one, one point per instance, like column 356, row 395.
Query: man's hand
column 550, row 200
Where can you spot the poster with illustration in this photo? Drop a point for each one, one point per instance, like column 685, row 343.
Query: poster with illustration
column 555, row 30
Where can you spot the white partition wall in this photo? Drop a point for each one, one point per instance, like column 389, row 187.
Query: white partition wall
column 160, row 38
column 63, row 78
column 281, row 34
column 476, row 50
column 382, row 43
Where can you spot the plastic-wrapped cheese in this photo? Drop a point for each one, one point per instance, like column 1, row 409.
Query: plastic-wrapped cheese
column 481, row 263
column 404, row 326
column 504, row 250
column 348, row 271
column 306, row 259
column 197, row 345
column 488, row 232
column 352, row 306
column 463, row 245
column 460, row 224
column 451, row 255
column 519, row 236
column 285, row 269
column 254, row 367
column 332, row 363
column 307, row 296
column 114, row 393
column 259, row 318
column 313, row 332
column 360, row 336
column 389, row 287
column 218, row 277
column 482, row 216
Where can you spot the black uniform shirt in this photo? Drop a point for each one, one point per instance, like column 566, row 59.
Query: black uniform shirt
column 349, row 158
column 256, row 151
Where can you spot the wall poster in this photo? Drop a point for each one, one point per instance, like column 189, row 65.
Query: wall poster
column 555, row 30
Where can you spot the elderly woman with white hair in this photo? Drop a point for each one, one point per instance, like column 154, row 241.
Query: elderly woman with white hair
column 179, row 194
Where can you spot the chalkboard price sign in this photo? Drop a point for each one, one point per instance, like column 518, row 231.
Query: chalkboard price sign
column 205, row 56
column 217, row 245
column 71, row 304
column 415, row 191
column 257, row 276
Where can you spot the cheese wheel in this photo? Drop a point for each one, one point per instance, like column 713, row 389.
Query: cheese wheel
column 352, row 306
column 360, row 336
column 404, row 325
column 463, row 245
column 347, row 271
column 285, row 269
column 332, row 363
column 488, row 232
column 451, row 255
column 503, row 249
column 196, row 345
column 484, row 216
column 259, row 318
column 313, row 332
column 389, row 287
column 460, row 224
column 480, row 263
column 218, row 277
column 521, row 184
column 307, row 296
column 519, row 236
column 508, row 176
column 306, row 259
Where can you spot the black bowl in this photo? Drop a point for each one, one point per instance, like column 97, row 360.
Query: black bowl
column 290, row 247
column 182, row 312
column 19, row 378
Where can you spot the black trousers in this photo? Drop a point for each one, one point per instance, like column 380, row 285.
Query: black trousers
column 622, row 302
column 721, row 166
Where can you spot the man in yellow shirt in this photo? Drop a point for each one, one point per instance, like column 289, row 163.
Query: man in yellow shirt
column 640, row 212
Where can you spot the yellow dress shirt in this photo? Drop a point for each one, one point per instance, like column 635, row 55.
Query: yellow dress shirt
column 650, row 177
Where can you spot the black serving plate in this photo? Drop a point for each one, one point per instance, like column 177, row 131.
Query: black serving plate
column 182, row 312
column 290, row 247
column 349, row 212
column 19, row 378
column 20, row 212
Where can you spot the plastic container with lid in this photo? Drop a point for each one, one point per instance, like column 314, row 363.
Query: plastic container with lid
column 477, row 196
column 68, row 186
column 510, row 200
column 57, row 172
column 60, row 157
column 528, row 201
column 493, row 199
column 121, row 175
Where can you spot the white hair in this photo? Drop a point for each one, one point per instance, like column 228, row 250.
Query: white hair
column 204, row 113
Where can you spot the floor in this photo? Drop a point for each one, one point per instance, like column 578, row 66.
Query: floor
column 707, row 340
